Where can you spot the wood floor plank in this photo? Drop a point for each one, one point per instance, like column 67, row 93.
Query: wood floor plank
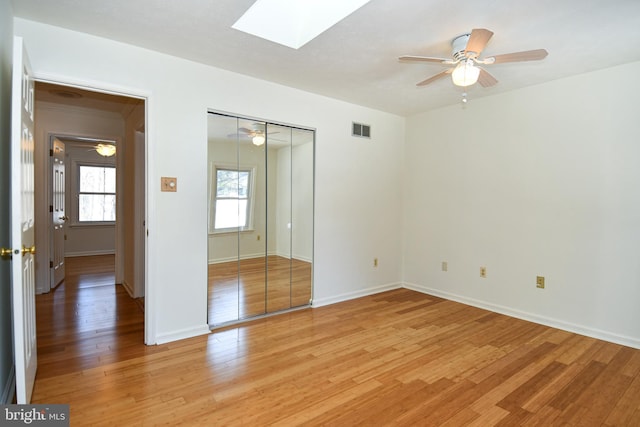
column 520, row 395
column 578, row 385
column 622, row 412
column 489, row 417
column 394, row 358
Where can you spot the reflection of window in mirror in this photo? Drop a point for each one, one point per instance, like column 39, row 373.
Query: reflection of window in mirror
column 232, row 199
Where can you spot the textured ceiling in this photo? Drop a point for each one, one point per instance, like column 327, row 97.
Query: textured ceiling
column 357, row 59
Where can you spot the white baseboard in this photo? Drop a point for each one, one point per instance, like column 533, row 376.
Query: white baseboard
column 356, row 294
column 294, row 256
column 9, row 388
column 127, row 287
column 252, row 256
column 302, row 258
column 89, row 253
column 231, row 259
column 531, row 317
column 182, row 334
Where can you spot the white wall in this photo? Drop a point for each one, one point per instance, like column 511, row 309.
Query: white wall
column 539, row 181
column 302, row 201
column 358, row 186
column 131, row 202
column 294, row 217
column 281, row 233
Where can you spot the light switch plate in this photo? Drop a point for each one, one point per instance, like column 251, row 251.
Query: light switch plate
column 168, row 184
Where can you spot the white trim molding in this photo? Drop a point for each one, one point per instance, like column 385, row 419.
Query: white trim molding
column 182, row 334
column 356, row 294
column 531, row 317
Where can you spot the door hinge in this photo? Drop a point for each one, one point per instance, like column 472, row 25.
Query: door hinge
column 50, row 264
column 65, row 237
column 51, row 153
column 50, row 208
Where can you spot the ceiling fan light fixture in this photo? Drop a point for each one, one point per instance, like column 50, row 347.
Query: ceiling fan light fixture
column 465, row 74
column 258, row 140
column 106, row 150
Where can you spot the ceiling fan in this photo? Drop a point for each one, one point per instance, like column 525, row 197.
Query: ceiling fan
column 466, row 58
column 104, row 148
column 257, row 134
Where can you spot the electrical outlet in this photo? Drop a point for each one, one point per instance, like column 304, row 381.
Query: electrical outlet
column 540, row 282
column 375, row 262
column 483, row 271
column 445, row 266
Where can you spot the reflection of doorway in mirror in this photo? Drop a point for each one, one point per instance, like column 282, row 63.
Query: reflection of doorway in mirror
column 262, row 262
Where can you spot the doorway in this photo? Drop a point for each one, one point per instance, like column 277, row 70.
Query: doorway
column 83, row 119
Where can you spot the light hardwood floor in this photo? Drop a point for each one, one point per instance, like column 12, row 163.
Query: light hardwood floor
column 395, row 358
column 255, row 286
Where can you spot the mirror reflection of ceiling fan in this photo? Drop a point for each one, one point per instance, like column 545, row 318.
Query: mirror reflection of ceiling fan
column 257, row 134
column 466, row 58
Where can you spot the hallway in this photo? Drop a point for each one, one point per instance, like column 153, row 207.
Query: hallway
column 88, row 321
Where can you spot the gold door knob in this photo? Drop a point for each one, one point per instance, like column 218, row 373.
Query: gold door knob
column 6, row 252
column 26, row 250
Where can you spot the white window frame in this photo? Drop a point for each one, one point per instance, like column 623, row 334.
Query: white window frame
column 214, row 168
column 75, row 208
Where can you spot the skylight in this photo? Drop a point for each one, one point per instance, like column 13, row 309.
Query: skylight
column 293, row 23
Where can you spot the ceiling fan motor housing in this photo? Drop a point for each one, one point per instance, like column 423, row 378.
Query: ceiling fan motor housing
column 459, row 44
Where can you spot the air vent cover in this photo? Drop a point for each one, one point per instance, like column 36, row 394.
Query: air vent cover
column 358, row 129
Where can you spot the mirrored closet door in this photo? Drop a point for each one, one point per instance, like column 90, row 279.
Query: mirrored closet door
column 260, row 230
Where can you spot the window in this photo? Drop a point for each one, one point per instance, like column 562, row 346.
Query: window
column 96, row 194
column 233, row 193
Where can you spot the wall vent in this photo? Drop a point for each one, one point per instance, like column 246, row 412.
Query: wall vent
column 358, row 129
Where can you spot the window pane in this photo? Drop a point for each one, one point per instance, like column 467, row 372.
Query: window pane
column 109, row 180
column 97, row 207
column 97, row 179
column 243, row 184
column 91, row 179
column 231, row 213
column 232, row 183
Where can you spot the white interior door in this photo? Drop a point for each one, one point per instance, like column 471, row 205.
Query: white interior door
column 58, row 216
column 22, row 224
column 140, row 215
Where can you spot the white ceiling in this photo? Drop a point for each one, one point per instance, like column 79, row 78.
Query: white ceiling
column 357, row 59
